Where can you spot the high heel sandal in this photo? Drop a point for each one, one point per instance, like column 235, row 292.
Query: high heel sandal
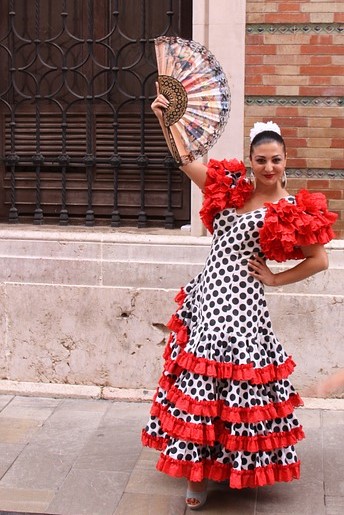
column 201, row 497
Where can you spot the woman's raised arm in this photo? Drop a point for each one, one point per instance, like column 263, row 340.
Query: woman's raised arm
column 195, row 170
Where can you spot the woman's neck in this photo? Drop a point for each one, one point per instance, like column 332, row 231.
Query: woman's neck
column 269, row 195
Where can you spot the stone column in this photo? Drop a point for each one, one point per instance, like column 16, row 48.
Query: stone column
column 220, row 26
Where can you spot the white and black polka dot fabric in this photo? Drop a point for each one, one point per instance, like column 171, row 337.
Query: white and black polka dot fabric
column 224, row 405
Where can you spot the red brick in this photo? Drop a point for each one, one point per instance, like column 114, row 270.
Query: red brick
column 292, row 154
column 263, row 69
column 296, row 142
column 338, row 143
column 319, row 70
column 289, row 7
column 287, row 18
column 254, row 39
column 335, row 194
column 261, row 49
column 287, row 111
column 338, row 122
column 288, row 131
column 293, row 122
column 321, row 39
column 337, row 163
column 253, row 79
column 339, row 17
column 323, row 81
column 318, row 183
column 296, row 162
column 254, row 59
column 322, row 49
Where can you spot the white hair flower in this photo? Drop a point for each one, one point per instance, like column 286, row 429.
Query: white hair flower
column 259, row 127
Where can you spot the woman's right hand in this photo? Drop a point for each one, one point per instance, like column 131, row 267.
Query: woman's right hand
column 159, row 103
column 195, row 170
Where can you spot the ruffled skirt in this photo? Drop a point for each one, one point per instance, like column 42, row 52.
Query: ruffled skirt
column 217, row 414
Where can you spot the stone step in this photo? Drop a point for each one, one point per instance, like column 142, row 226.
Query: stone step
column 104, row 258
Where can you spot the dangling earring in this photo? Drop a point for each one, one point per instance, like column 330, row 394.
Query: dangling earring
column 253, row 181
column 284, row 180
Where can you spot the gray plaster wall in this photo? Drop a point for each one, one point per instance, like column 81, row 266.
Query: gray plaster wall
column 89, row 306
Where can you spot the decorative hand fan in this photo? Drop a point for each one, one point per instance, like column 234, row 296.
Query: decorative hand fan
column 193, row 81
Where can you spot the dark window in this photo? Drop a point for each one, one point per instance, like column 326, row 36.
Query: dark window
column 79, row 142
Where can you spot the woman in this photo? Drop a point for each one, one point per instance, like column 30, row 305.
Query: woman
column 223, row 409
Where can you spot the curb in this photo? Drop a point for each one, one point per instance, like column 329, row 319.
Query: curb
column 108, row 393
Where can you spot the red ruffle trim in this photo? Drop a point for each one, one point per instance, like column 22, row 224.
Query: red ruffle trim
column 287, row 227
column 260, row 476
column 232, row 414
column 177, row 325
column 180, row 297
column 154, row 442
column 176, row 428
column 262, row 442
column 207, row 434
column 239, row 443
column 188, row 361
column 226, row 186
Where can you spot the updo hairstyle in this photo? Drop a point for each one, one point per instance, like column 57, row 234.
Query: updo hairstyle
column 267, row 137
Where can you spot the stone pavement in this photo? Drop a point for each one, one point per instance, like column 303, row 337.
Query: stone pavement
column 84, row 456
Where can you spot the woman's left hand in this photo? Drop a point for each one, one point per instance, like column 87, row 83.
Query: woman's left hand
column 260, row 270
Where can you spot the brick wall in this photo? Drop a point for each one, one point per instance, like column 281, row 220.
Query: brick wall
column 295, row 76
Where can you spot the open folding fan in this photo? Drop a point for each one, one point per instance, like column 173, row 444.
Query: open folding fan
column 193, row 81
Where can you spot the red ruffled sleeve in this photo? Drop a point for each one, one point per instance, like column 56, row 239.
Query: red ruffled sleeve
column 226, row 186
column 287, row 227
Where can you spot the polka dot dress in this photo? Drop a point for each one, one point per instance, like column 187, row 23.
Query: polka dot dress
column 224, row 405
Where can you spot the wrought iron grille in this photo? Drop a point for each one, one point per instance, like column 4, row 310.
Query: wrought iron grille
column 79, row 141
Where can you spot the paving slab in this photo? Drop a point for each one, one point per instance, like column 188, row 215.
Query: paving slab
column 37, row 467
column 28, row 407
column 139, row 504
column 333, row 435
column 112, row 448
column 334, row 505
column 20, row 513
column 145, row 479
column 223, row 500
column 4, row 400
column 26, row 500
column 292, row 498
column 89, row 492
column 84, row 456
column 127, row 412
column 18, row 430
column 97, row 406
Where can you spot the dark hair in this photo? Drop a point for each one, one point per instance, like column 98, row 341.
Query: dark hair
column 267, row 137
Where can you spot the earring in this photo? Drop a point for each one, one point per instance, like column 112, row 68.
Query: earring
column 253, row 181
column 284, row 180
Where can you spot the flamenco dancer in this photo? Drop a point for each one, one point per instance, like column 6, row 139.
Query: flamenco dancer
column 224, row 406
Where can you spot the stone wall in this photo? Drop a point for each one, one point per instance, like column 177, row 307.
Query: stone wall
column 88, row 306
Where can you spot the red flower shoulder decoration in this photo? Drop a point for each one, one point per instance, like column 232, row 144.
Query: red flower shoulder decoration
column 226, row 186
column 288, row 226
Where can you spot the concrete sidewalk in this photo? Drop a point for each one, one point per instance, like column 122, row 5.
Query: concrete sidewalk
column 84, row 456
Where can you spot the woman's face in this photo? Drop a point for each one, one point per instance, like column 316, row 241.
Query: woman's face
column 268, row 162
